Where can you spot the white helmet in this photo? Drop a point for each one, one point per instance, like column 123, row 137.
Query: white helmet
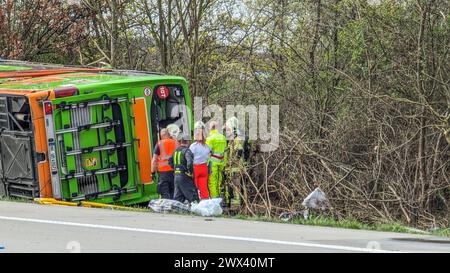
column 174, row 131
column 232, row 123
column 199, row 125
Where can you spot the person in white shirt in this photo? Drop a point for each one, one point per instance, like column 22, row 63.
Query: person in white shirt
column 201, row 153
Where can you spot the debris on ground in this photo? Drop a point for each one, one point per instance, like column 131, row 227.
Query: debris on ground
column 167, row 205
column 287, row 216
column 316, row 200
column 208, row 207
column 205, row 208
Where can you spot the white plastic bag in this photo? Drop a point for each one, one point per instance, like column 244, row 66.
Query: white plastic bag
column 316, row 200
column 208, row 207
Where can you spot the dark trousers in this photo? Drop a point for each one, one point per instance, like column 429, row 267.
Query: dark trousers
column 166, row 185
column 185, row 189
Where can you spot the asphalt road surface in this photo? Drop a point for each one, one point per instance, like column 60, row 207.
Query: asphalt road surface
column 28, row 227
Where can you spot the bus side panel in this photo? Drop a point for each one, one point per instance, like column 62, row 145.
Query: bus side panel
column 45, row 183
column 143, row 146
column 43, row 167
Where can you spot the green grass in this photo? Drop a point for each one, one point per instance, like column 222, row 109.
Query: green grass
column 348, row 224
column 134, row 208
column 15, row 199
column 445, row 232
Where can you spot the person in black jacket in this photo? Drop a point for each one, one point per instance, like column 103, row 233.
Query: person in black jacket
column 182, row 163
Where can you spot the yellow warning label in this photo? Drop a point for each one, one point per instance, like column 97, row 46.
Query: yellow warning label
column 91, row 162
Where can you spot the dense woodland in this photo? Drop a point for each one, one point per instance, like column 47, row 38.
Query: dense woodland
column 363, row 86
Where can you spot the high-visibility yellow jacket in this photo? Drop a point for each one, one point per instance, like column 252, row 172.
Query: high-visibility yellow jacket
column 235, row 145
column 218, row 144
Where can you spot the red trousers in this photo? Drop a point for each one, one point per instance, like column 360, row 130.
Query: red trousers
column 201, row 179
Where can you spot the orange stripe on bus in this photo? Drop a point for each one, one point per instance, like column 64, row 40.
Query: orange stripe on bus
column 39, row 80
column 142, row 133
column 40, row 140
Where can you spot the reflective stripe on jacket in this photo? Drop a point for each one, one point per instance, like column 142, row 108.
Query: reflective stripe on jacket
column 218, row 144
column 183, row 161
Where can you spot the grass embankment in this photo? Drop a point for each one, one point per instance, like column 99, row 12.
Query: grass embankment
column 349, row 224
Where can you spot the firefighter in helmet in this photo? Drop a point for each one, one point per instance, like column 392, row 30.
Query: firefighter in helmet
column 235, row 167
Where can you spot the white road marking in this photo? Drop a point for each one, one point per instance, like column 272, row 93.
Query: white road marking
column 188, row 234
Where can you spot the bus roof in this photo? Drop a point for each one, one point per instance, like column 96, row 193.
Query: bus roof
column 32, row 80
column 13, row 68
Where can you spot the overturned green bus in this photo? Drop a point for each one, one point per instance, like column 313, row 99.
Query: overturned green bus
column 84, row 134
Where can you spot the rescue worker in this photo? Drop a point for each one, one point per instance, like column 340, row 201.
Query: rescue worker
column 217, row 160
column 235, row 140
column 182, row 162
column 235, row 164
column 201, row 153
column 163, row 150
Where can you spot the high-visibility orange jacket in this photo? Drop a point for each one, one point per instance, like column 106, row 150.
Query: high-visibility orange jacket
column 166, row 149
